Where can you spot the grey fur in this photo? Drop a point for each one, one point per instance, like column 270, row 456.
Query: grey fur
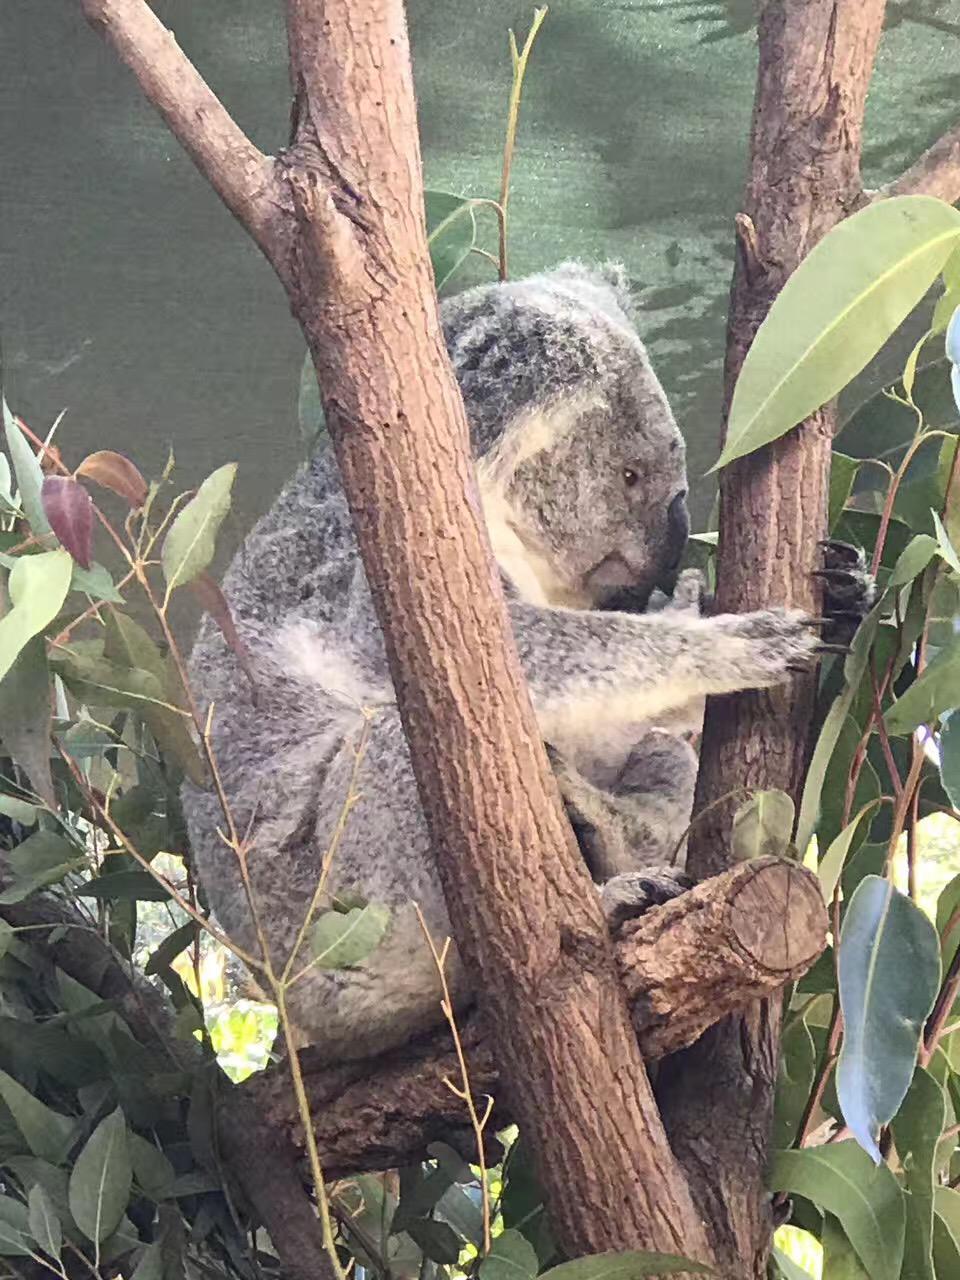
column 563, row 405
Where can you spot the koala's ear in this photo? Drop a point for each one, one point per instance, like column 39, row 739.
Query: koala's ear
column 605, row 284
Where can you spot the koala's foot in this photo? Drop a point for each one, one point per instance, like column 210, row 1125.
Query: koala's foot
column 635, row 892
column 639, row 822
column 849, row 591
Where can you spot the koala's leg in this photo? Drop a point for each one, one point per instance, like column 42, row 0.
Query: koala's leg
column 632, row 836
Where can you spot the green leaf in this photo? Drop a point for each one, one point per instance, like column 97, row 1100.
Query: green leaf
column 25, row 716
column 154, row 1174
column 787, row 1269
column 128, row 643
column 22, row 888
column 841, row 1179
column 843, row 472
column 38, row 586
column 913, row 560
column 42, row 851
column 917, row 1127
column 439, row 1242
column 833, row 861
column 310, row 414
column 798, row 1063
column 947, row 550
column 933, row 692
column 19, row 810
column 511, row 1257
column 26, row 467
column 950, row 758
column 189, row 545
column 343, row 939
column 946, row 1232
column 15, row 1237
column 173, row 945
column 44, row 1221
column 889, row 975
column 451, row 233
column 101, row 1179
column 762, row 827
column 47, row 1134
column 835, row 313
column 150, row 1266
column 624, row 1266
column 840, row 1261
column 96, row 583
column 125, row 886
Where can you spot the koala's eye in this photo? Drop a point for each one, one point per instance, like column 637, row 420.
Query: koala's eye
column 630, row 477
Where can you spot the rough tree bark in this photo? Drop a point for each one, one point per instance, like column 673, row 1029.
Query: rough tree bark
column 815, row 64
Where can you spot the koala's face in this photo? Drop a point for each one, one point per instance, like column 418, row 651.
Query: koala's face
column 600, row 501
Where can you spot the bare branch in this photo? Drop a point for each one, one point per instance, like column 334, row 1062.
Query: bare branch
column 936, row 173
column 241, row 175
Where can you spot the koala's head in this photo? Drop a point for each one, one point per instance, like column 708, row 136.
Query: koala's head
column 580, row 462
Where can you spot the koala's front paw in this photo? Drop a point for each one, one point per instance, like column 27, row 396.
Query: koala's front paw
column 688, row 594
column 849, row 591
column 634, row 893
column 773, row 642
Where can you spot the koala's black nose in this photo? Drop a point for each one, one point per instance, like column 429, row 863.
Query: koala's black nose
column 678, row 519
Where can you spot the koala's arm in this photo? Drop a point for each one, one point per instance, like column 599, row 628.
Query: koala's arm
column 587, row 668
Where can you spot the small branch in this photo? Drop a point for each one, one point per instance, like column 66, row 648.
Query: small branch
column 241, row 175
column 936, row 173
column 710, row 952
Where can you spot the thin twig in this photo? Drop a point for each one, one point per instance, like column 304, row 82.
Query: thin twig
column 519, row 59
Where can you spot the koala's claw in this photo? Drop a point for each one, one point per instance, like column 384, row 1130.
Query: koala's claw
column 634, row 893
column 848, row 594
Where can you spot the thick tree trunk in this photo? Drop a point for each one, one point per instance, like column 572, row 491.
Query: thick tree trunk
column 816, row 59
column 341, row 220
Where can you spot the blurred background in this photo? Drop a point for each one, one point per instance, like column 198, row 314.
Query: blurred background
column 130, row 298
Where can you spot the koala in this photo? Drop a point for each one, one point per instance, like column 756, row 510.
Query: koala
column 581, row 472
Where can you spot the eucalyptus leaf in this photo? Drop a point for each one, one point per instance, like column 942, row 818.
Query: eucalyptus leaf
column 947, row 550
column 101, row 1179
column 150, row 1264
column 841, row 1179
column 342, row 939
column 125, row 886
column 843, row 472
column 917, row 1127
column 835, row 312
column 438, row 1242
column 936, row 690
column 762, row 826
column 950, row 757
column 840, row 1260
column 15, row 1236
column 25, row 716
column 451, row 233
column 511, row 1257
column 911, row 563
column 946, row 1232
column 889, row 974
column 47, row 1133
column 833, row 861
column 624, row 1266
column 38, row 586
column 95, row 582
column 44, row 1221
column 27, row 469
column 189, row 545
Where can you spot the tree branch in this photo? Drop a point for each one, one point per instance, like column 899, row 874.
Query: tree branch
column 936, row 173
column 241, row 175
column 815, row 64
column 708, row 953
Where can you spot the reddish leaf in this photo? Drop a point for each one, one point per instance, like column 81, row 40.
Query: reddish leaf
column 213, row 600
column 68, row 507
column 117, row 473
